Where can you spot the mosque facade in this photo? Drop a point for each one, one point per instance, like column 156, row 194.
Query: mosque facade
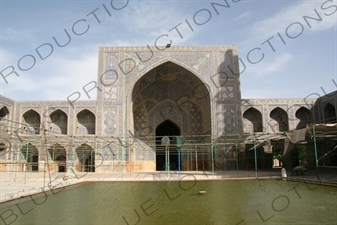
column 143, row 94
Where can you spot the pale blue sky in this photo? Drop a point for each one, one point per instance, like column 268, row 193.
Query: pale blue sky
column 299, row 68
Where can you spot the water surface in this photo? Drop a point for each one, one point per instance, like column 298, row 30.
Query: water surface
column 226, row 202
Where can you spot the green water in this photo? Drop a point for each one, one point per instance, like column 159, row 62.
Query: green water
column 226, row 202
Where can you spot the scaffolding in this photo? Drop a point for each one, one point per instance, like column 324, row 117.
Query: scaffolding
column 48, row 151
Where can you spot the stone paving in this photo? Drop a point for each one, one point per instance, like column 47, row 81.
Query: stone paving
column 16, row 185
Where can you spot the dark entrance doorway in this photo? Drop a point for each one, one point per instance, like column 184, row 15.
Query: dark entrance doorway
column 169, row 129
column 35, row 163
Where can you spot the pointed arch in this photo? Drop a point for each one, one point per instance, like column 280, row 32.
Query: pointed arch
column 305, row 117
column 59, row 122
column 330, row 113
column 86, row 158
column 168, row 110
column 3, row 151
column 33, row 121
column 58, row 154
column 173, row 128
column 86, row 122
column 166, row 128
column 4, row 112
column 4, row 120
column 252, row 120
column 30, row 154
column 279, row 120
column 171, row 91
column 175, row 62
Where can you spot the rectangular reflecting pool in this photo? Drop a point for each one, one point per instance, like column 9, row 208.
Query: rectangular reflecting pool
column 226, row 202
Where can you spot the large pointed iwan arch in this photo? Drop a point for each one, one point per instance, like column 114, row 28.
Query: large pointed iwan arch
column 170, row 91
column 132, row 85
column 166, row 90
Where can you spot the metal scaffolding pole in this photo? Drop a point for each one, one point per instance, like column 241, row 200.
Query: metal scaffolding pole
column 179, row 160
column 212, row 158
column 237, row 156
column 91, row 160
column 255, row 156
column 26, row 165
column 315, row 146
column 168, row 160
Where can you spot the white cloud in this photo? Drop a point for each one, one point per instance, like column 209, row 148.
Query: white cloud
column 242, row 16
column 5, row 57
column 10, row 34
column 55, row 78
column 280, row 21
column 267, row 68
column 70, row 75
column 148, row 17
column 149, row 20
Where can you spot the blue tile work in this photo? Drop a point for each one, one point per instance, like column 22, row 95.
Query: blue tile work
column 229, row 120
column 110, row 122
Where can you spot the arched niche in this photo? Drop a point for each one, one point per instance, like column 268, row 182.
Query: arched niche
column 86, row 158
column 58, row 122
column 30, row 154
column 252, row 120
column 4, row 112
column 279, row 120
column 86, row 122
column 33, row 121
column 304, row 116
column 58, row 155
column 330, row 113
column 3, row 151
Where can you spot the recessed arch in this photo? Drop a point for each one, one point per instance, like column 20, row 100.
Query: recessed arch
column 173, row 61
column 58, row 154
column 30, row 154
column 330, row 113
column 33, row 121
column 279, row 120
column 252, row 120
column 4, row 112
column 132, row 83
column 170, row 91
column 85, row 158
column 169, row 110
column 86, row 122
column 3, row 151
column 170, row 129
column 59, row 122
column 304, row 116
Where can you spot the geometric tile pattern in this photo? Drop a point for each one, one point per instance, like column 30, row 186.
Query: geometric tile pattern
column 110, row 122
column 229, row 121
